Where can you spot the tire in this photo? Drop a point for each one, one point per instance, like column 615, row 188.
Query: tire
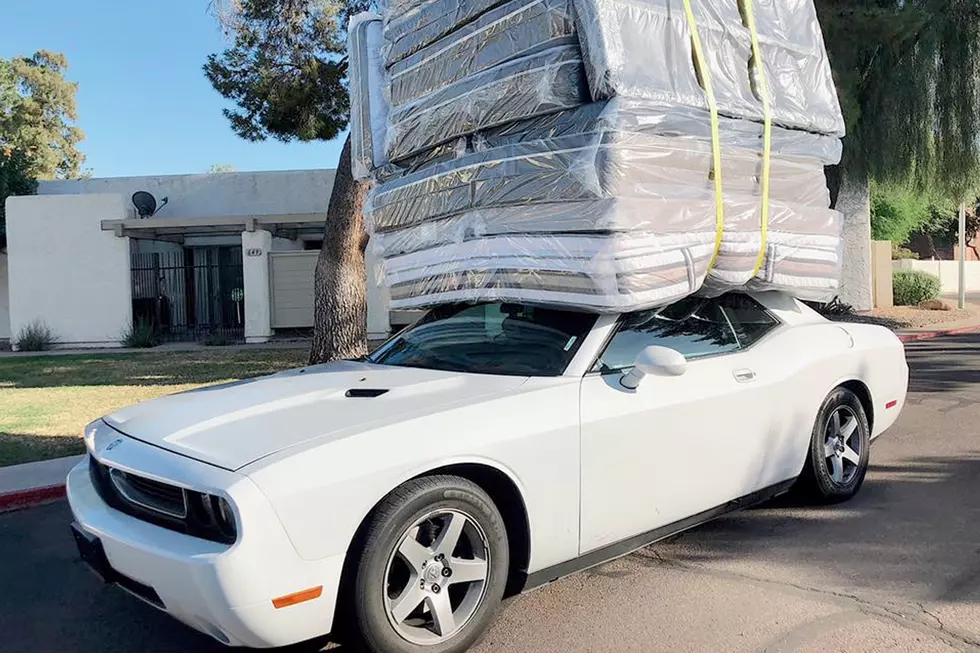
column 841, row 415
column 399, row 564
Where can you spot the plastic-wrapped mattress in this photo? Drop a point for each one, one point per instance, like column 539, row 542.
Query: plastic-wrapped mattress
column 369, row 108
column 516, row 29
column 583, row 168
column 538, row 84
column 560, row 151
column 612, row 208
column 410, row 25
column 610, row 272
column 613, row 149
column 643, row 49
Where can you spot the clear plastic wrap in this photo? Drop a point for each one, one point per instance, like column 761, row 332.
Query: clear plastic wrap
column 516, row 29
column 622, row 271
column 635, row 115
column 542, row 83
column 505, row 181
column 582, row 168
column 795, row 56
column 413, row 24
column 642, row 49
column 605, row 272
column 612, row 152
column 369, row 108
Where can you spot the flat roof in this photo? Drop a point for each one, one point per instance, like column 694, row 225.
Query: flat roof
column 174, row 229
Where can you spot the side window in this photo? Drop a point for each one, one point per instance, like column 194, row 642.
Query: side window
column 694, row 327
column 749, row 319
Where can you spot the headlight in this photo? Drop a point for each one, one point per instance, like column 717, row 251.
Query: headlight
column 89, row 436
column 213, row 513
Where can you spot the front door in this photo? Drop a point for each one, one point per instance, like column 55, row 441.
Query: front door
column 675, row 446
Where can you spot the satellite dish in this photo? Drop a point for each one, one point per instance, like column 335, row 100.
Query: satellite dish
column 146, row 204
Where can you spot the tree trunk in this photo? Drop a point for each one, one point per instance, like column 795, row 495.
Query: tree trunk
column 850, row 194
column 340, row 282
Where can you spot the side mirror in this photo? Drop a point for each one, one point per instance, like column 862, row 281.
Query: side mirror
column 654, row 360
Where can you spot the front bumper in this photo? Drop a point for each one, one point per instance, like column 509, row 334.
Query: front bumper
column 220, row 590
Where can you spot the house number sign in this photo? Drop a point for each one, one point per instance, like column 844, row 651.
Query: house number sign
column 253, row 251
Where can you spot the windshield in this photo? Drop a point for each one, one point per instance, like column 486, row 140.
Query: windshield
column 494, row 338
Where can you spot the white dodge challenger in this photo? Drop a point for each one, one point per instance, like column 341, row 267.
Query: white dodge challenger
column 488, row 449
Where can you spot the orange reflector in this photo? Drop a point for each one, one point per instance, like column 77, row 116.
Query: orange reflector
column 298, row 597
column 891, row 404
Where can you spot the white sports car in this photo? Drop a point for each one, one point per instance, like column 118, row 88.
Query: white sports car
column 488, row 449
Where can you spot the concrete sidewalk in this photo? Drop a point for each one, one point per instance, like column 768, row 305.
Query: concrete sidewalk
column 29, row 484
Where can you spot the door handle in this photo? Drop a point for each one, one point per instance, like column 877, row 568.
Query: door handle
column 744, row 375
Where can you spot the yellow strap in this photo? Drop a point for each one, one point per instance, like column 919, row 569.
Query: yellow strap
column 715, row 136
column 767, row 137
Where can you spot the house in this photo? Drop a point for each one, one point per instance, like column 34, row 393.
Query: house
column 227, row 253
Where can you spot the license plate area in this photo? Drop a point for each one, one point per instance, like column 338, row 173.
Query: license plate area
column 92, row 554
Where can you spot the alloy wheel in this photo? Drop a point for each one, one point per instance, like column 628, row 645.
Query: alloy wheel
column 842, row 450
column 436, row 577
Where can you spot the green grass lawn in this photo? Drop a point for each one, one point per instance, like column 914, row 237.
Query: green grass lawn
column 46, row 401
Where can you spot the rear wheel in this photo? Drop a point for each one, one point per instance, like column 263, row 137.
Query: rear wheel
column 839, row 448
column 433, row 568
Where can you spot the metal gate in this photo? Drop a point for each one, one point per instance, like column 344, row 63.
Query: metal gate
column 190, row 294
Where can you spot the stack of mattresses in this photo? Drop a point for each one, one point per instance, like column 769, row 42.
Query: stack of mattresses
column 561, row 151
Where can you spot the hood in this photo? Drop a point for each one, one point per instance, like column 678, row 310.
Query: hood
column 234, row 424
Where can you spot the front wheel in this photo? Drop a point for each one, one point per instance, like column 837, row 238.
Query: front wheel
column 433, row 568
column 839, row 449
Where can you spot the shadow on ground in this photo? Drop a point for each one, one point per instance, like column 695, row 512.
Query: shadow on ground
column 914, row 528
column 946, row 364
column 16, row 448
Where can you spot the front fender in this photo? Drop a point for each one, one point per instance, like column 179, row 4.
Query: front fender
column 323, row 493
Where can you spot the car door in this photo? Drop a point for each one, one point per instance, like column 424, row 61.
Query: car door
column 676, row 445
column 765, row 370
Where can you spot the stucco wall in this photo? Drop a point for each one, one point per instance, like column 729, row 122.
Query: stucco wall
column 948, row 273
column 4, row 300
column 65, row 270
column 255, row 273
column 254, row 194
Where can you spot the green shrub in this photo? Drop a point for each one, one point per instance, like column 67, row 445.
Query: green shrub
column 140, row 335
column 911, row 287
column 903, row 254
column 36, row 336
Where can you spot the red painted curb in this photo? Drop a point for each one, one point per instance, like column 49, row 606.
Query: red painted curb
column 929, row 335
column 30, row 498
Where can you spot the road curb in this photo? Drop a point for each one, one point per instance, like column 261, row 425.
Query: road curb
column 929, row 335
column 32, row 497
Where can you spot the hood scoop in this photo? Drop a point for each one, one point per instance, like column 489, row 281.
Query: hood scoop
column 365, row 393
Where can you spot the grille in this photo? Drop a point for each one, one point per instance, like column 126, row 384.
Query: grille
column 152, row 495
column 162, row 504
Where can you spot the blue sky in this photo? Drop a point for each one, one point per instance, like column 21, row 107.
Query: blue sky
column 143, row 101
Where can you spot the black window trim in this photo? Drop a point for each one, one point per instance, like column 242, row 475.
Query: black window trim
column 619, row 324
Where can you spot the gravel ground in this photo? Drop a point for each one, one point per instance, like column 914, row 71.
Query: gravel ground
column 910, row 316
column 907, row 317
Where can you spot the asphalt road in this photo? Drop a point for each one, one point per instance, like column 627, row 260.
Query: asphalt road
column 896, row 569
